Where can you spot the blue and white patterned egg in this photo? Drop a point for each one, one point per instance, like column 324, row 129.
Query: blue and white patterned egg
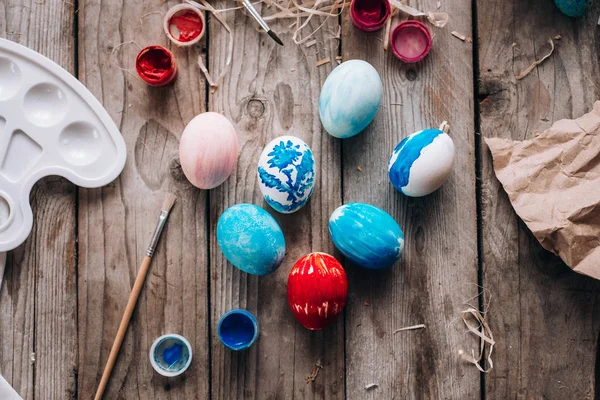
column 350, row 98
column 286, row 174
column 572, row 8
column 251, row 239
column 421, row 162
column 366, row 235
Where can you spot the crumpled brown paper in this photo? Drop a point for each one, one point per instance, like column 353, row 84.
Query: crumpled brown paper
column 553, row 182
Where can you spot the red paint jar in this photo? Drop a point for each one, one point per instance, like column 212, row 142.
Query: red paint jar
column 184, row 25
column 411, row 41
column 369, row 15
column 156, row 66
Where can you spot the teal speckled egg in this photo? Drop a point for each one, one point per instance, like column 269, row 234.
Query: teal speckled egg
column 572, row 8
column 251, row 239
column 350, row 98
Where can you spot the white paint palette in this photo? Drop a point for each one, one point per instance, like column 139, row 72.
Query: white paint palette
column 50, row 124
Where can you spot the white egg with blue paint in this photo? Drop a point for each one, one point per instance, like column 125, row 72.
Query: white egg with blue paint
column 251, row 239
column 366, row 235
column 421, row 162
column 286, row 174
column 350, row 98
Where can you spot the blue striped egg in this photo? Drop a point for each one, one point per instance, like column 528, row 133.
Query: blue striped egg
column 421, row 162
column 350, row 98
column 572, row 8
column 286, row 174
column 251, row 239
column 366, row 235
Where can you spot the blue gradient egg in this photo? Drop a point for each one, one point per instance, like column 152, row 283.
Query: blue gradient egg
column 251, row 239
column 572, row 8
column 350, row 98
column 421, row 162
column 366, row 235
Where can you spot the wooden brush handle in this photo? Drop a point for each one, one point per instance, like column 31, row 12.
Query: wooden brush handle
column 135, row 293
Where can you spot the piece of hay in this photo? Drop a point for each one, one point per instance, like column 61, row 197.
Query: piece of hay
column 323, row 61
column 371, row 386
column 410, row 328
column 438, row 19
column 483, row 331
column 459, row 35
column 311, row 43
column 315, row 371
column 537, row 62
column 359, row 169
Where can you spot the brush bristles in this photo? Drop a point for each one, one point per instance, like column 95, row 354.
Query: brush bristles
column 168, row 203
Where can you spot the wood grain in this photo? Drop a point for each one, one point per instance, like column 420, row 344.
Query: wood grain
column 438, row 271
column 116, row 222
column 545, row 314
column 38, row 351
column 273, row 91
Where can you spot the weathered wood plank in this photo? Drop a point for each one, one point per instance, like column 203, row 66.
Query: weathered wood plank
column 115, row 222
column 38, row 301
column 438, row 271
column 543, row 314
column 272, row 91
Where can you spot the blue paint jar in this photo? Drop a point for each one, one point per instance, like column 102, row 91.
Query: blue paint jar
column 170, row 354
column 238, row 329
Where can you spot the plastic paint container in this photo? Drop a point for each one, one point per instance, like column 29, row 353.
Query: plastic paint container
column 184, row 25
column 411, row 41
column 170, row 354
column 238, row 329
column 369, row 15
column 156, row 66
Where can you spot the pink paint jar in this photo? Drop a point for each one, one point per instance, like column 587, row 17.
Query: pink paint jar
column 411, row 41
column 369, row 15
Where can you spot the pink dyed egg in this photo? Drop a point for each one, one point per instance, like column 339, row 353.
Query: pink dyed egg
column 208, row 150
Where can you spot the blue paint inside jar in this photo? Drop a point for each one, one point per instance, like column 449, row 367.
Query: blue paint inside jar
column 171, row 354
column 238, row 329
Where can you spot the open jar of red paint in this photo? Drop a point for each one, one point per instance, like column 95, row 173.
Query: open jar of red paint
column 184, row 25
column 156, row 66
column 411, row 41
column 369, row 15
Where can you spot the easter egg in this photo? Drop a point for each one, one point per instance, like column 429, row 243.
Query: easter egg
column 366, row 235
column 350, row 98
column 286, row 174
column 208, row 150
column 317, row 290
column 572, row 8
column 421, row 162
column 251, row 239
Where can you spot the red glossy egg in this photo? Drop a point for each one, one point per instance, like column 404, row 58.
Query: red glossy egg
column 317, row 290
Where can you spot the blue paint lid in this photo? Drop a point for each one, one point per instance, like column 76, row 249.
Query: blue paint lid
column 170, row 354
column 238, row 329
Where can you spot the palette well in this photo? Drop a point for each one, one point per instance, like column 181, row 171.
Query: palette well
column 184, row 25
column 238, row 329
column 171, row 354
column 411, row 41
column 50, row 124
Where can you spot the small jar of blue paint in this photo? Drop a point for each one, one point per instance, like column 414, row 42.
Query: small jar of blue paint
column 170, row 354
column 238, row 329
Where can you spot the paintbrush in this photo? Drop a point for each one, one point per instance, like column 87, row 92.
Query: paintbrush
column 261, row 21
column 135, row 293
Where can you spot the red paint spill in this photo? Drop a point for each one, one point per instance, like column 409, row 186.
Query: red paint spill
column 155, row 65
column 411, row 41
column 369, row 15
column 185, row 26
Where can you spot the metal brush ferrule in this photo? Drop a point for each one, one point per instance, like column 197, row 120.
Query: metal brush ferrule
column 162, row 220
column 256, row 15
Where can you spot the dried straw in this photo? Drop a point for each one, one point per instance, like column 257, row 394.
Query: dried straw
column 537, row 62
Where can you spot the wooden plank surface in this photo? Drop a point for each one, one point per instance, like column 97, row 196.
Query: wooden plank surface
column 38, row 351
column 273, row 91
column 116, row 222
column 544, row 314
column 438, row 271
